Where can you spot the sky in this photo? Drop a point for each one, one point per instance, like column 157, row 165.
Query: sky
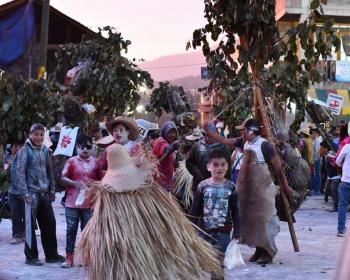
column 155, row 27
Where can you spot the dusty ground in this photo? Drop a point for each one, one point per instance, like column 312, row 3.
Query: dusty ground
column 315, row 229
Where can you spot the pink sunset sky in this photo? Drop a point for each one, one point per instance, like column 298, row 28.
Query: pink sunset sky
column 155, row 27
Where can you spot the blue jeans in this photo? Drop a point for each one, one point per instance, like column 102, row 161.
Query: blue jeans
column 73, row 216
column 343, row 196
column 316, row 177
column 219, row 240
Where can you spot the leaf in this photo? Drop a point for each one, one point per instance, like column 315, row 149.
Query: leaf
column 314, row 4
column 5, row 106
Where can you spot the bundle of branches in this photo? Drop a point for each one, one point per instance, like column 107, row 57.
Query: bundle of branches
column 183, row 185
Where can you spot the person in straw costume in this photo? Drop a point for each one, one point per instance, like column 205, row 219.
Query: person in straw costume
column 138, row 231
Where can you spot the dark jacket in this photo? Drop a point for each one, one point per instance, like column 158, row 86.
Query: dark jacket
column 197, row 162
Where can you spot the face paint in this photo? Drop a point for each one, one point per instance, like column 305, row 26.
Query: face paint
column 121, row 134
column 84, row 151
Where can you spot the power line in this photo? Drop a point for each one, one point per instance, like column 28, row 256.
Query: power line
column 174, row 66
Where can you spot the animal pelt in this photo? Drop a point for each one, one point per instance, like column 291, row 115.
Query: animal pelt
column 256, row 195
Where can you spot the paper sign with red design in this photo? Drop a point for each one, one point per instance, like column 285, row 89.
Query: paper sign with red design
column 66, row 142
column 335, row 103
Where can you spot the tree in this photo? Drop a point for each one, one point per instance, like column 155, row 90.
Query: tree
column 250, row 28
column 112, row 81
column 23, row 103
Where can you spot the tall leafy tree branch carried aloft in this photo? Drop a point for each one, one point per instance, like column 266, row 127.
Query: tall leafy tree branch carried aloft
column 249, row 28
column 111, row 81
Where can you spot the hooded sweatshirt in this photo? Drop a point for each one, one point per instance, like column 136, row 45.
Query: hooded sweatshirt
column 166, row 166
column 33, row 171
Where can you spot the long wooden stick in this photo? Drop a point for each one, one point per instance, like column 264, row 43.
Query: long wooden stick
column 285, row 202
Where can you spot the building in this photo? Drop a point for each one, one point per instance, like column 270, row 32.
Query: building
column 20, row 24
column 335, row 71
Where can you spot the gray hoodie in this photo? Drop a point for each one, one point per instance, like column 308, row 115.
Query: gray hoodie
column 33, row 171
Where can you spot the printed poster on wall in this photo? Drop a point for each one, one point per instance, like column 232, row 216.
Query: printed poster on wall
column 335, row 103
column 342, row 71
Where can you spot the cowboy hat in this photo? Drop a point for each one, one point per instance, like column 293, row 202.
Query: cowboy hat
column 305, row 131
column 105, row 141
column 128, row 122
column 196, row 135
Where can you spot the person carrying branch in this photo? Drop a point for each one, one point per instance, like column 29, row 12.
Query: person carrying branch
column 257, row 191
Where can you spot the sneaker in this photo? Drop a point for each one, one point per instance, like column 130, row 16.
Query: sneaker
column 57, row 259
column 16, row 240
column 341, row 233
column 35, row 262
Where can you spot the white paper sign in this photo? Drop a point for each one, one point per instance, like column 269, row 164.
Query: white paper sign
column 66, row 142
column 342, row 71
column 335, row 103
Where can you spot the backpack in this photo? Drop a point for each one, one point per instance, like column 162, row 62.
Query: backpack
column 30, row 158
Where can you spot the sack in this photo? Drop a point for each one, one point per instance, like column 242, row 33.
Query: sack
column 233, row 257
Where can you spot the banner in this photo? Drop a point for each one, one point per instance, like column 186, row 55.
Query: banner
column 335, row 103
column 342, row 71
column 66, row 142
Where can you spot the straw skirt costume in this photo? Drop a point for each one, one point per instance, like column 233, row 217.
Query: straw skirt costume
column 138, row 231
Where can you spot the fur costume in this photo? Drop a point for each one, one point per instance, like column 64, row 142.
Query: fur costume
column 256, row 195
column 137, row 230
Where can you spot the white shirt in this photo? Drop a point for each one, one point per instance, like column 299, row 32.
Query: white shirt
column 343, row 160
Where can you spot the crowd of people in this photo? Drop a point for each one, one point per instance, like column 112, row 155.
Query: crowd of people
column 232, row 177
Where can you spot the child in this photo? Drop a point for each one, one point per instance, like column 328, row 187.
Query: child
column 34, row 182
column 77, row 169
column 216, row 204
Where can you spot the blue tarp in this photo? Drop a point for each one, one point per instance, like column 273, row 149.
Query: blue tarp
column 16, row 32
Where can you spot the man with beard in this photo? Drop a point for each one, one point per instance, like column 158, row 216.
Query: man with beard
column 256, row 190
column 199, row 156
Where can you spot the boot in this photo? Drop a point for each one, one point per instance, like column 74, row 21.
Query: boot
column 265, row 258
column 256, row 255
column 69, row 260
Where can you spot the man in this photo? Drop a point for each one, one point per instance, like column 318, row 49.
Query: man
column 199, row 156
column 343, row 161
column 34, row 179
column 265, row 154
column 316, row 172
column 164, row 148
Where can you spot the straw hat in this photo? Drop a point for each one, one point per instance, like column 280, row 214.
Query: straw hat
column 105, row 141
column 128, row 122
column 122, row 174
column 305, row 131
column 196, row 135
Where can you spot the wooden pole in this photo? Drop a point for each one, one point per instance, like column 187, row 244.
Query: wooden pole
column 44, row 34
column 285, row 202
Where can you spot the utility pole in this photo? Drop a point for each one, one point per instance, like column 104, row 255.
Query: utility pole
column 44, row 38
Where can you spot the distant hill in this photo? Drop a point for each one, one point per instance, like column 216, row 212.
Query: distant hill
column 172, row 67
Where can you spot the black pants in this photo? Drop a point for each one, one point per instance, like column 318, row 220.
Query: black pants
column 16, row 204
column 41, row 210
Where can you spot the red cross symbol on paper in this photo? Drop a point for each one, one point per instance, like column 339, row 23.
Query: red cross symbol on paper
column 66, row 140
column 334, row 104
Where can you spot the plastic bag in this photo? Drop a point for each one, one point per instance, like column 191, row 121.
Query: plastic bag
column 81, row 198
column 233, row 257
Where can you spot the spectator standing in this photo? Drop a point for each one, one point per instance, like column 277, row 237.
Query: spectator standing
column 76, row 170
column 215, row 204
column 316, row 171
column 164, row 148
column 35, row 183
column 16, row 202
column 343, row 160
